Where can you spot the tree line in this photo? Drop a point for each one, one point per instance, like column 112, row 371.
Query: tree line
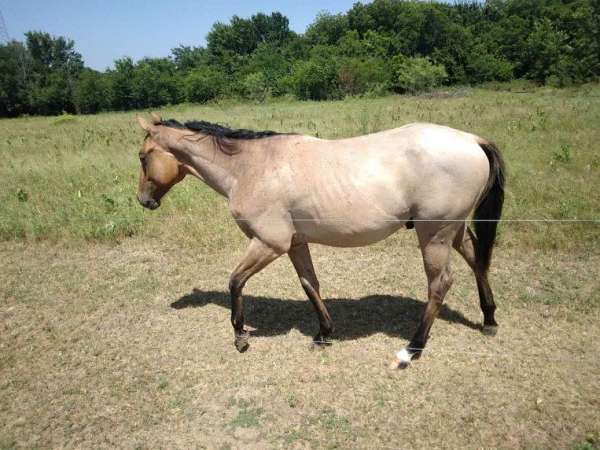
column 374, row 48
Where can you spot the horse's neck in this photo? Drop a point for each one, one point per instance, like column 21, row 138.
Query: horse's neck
column 216, row 169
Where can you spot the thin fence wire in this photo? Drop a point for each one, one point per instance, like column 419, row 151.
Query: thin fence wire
column 343, row 220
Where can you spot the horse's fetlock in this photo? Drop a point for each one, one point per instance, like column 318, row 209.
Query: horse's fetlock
column 327, row 329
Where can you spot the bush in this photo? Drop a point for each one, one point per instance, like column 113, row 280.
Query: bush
column 484, row 66
column 155, row 83
column 203, row 84
column 360, row 76
column 315, row 79
column 256, row 87
column 412, row 75
column 92, row 92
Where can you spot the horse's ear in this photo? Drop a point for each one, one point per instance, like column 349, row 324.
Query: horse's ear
column 156, row 119
column 144, row 124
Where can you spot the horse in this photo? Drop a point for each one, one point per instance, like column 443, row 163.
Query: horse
column 286, row 191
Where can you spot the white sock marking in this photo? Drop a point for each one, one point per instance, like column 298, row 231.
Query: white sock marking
column 403, row 356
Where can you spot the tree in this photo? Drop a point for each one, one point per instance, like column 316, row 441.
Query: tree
column 362, row 75
column 187, row 58
column 55, row 67
column 315, row 79
column 256, row 86
column 269, row 60
column 155, row 83
column 92, row 92
column 546, row 52
column 121, row 82
column 243, row 36
column 412, row 75
column 13, row 79
column 203, row 84
column 327, row 29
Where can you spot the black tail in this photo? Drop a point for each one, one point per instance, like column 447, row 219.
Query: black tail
column 489, row 208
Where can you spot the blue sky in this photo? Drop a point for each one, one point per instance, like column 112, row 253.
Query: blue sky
column 106, row 30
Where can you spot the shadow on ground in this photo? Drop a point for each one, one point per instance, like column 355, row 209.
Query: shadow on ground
column 353, row 318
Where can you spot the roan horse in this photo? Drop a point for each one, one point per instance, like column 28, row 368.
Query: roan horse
column 287, row 190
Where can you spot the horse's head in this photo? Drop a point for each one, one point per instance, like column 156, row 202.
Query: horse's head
column 159, row 170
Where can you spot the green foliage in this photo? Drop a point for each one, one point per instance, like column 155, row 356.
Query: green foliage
column 155, row 83
column 414, row 75
column 55, row 66
column 315, row 79
column 327, row 29
column 92, row 92
column 203, row 84
column 256, row 86
column 13, row 69
column 564, row 155
column 242, row 36
column 187, row 58
column 121, row 80
column 269, row 60
column 546, row 51
column 406, row 46
column 359, row 76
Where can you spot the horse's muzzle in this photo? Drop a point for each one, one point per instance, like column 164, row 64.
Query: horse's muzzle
column 149, row 203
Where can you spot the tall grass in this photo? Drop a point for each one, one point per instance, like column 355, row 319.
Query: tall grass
column 73, row 178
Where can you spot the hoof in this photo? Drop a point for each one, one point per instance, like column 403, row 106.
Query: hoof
column 489, row 330
column 241, row 342
column 320, row 342
column 402, row 360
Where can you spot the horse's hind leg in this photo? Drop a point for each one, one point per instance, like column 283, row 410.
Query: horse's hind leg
column 300, row 256
column 465, row 245
column 435, row 240
column 256, row 258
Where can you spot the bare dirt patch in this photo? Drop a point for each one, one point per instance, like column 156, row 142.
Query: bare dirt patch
column 130, row 346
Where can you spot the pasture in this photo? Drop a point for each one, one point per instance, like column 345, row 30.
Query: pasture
column 115, row 320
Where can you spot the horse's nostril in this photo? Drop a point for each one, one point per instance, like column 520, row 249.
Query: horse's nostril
column 149, row 203
column 152, row 204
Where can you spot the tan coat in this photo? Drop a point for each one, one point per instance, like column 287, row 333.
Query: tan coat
column 289, row 190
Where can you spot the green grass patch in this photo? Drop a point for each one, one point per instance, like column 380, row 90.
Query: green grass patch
column 74, row 179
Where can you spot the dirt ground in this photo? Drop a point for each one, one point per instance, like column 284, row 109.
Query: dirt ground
column 130, row 346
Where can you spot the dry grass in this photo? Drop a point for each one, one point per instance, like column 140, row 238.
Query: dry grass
column 130, row 346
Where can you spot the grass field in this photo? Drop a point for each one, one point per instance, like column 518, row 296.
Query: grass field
column 114, row 321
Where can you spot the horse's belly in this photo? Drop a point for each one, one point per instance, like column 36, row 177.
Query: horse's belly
column 339, row 233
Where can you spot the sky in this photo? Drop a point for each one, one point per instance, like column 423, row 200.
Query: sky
column 107, row 30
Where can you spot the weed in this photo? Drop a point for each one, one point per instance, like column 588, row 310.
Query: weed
column 292, row 401
column 22, row 196
column 563, row 155
column 65, row 119
column 247, row 417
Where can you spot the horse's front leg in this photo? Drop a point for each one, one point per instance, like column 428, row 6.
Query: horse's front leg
column 258, row 256
column 300, row 256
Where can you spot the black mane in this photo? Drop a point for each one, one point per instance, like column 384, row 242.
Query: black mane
column 219, row 131
column 224, row 138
